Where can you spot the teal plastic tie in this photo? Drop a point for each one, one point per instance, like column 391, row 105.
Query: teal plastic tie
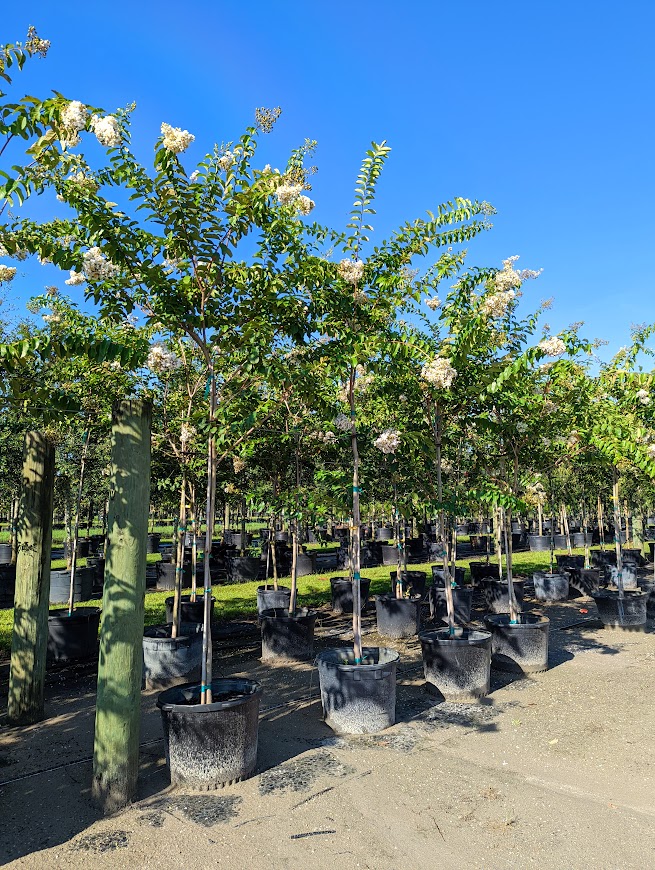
column 356, row 576
column 358, row 661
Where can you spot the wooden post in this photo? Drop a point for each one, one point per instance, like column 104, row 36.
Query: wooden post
column 118, row 705
column 32, row 599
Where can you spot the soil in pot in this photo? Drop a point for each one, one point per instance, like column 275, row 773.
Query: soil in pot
column 358, row 698
column 521, row 646
column 550, row 587
column 462, row 601
column 75, row 637
column 496, row 594
column 398, row 617
column 287, row 637
column 273, row 599
column 457, row 666
column 628, row 613
column 342, row 594
column 211, row 745
column 414, row 582
column 60, row 585
column 169, row 661
column 191, row 611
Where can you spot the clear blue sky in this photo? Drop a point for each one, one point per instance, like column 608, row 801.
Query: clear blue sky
column 544, row 109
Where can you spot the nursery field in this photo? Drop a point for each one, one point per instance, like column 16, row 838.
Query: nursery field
column 239, row 601
column 538, row 773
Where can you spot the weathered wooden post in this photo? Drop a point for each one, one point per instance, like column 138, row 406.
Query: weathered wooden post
column 118, row 705
column 32, row 599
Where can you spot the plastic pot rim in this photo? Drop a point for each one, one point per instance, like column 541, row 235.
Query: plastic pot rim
column 504, row 620
column 442, row 636
column 349, row 668
column 299, row 613
column 166, row 706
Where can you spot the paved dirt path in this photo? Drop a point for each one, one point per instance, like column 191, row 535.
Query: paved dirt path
column 556, row 771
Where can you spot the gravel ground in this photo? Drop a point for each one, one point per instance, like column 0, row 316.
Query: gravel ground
column 554, row 771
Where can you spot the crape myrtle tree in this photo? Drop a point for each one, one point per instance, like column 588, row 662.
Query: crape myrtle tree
column 357, row 309
column 619, row 423
column 214, row 255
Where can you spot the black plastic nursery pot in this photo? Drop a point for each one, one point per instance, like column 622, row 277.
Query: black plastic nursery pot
column 82, row 586
column 519, row 647
column 5, row 554
column 627, row 613
column 584, row 581
column 383, row 534
column 342, row 594
column 7, row 585
column 287, row 637
column 154, row 539
column 550, row 587
column 648, row 586
column 169, row 661
column 496, row 594
column 462, row 601
column 243, row 569
column 211, row 745
column 539, row 543
column 457, row 666
column 480, row 570
column 273, row 599
column 398, row 617
column 578, row 540
column 74, row 637
column 628, row 576
column 166, row 575
column 304, row 565
column 438, row 575
column 97, row 565
column 358, row 698
column 389, row 554
column 414, row 582
column 191, row 611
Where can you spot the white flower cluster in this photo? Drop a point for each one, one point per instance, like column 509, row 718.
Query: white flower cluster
column 643, row 397
column 187, row 433
column 73, row 118
column 6, row 273
column 107, row 130
column 509, row 278
column 439, row 373
column 288, row 193
column 546, row 367
column 521, row 428
column 573, row 439
column 359, row 297
column 97, row 267
column 51, row 318
column 176, row 140
column 238, row 464
column 351, row 271
column 433, row 303
column 342, row 422
column 496, row 304
column 553, row 346
column 195, row 175
column 226, row 161
column 388, row 441
column 162, row 360
column 327, row 437
column 75, row 278
column 305, row 204
column 650, row 450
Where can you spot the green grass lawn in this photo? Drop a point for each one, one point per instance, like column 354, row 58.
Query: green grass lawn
column 238, row 601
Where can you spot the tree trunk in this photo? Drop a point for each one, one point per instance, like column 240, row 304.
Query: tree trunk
column 179, row 560
column 206, row 679
column 355, row 529
column 15, row 502
column 76, row 524
column 32, row 598
column 120, row 664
